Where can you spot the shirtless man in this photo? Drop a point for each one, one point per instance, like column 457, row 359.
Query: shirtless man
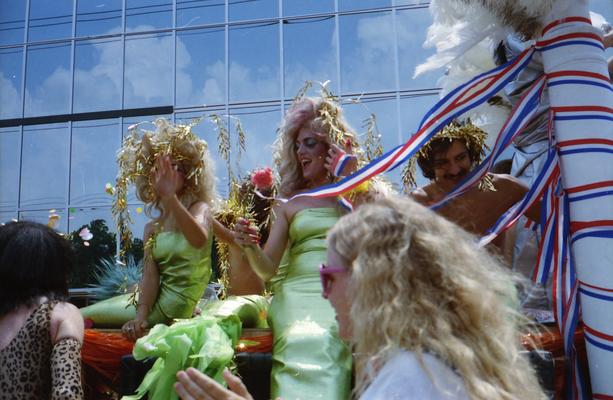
column 446, row 160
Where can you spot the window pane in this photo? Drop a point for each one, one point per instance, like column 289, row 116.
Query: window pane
column 101, row 245
column 145, row 15
column 97, row 17
column 45, row 166
column 11, row 61
column 97, row 61
column 12, row 21
column 48, row 80
column 201, row 75
column 200, row 12
column 7, row 217
column 305, row 7
column 313, row 59
column 412, row 26
column 10, row 141
column 260, row 125
column 54, row 217
column 93, row 165
column 386, row 115
column 254, row 9
column 254, row 62
column 148, row 71
column 411, row 2
column 50, row 19
column 346, row 5
column 367, row 52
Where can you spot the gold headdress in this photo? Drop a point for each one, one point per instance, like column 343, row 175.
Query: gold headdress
column 136, row 160
column 474, row 138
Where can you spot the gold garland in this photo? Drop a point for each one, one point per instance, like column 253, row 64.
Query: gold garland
column 472, row 135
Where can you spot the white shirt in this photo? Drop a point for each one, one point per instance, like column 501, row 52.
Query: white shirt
column 402, row 377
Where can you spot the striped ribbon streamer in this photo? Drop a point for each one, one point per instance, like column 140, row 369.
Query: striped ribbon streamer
column 578, row 78
column 549, row 171
column 460, row 100
column 591, row 191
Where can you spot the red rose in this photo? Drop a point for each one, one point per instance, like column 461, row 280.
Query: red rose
column 262, row 178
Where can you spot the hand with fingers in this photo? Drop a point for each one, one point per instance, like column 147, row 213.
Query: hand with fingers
column 341, row 162
column 194, row 385
column 167, row 180
column 246, row 233
column 134, row 329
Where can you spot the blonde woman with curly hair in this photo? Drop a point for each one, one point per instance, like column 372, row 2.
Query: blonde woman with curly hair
column 429, row 312
column 309, row 360
column 174, row 176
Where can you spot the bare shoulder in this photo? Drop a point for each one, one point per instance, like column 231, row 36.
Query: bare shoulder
column 199, row 207
column 505, row 181
column 66, row 322
column 420, row 195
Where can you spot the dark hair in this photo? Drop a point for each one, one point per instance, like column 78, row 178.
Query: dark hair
column 35, row 261
column 436, row 146
column 259, row 207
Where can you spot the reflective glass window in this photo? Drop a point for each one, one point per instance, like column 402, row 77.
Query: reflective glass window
column 12, row 21
column 11, row 61
column 44, row 174
column 146, row 15
column 411, row 2
column 54, row 217
column 50, row 19
column 201, row 67
column 260, row 125
column 305, row 7
column 97, row 61
column 98, row 17
column 10, row 142
column 48, row 80
column 347, row 5
column 253, row 9
column 313, row 59
column 7, row 217
column 93, row 165
column 386, row 128
column 148, row 71
column 200, row 12
column 96, row 243
column 367, row 52
column 411, row 28
column 254, row 62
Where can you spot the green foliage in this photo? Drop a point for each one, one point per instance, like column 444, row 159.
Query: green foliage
column 102, row 245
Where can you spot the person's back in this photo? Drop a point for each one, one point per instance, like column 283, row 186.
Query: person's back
column 40, row 334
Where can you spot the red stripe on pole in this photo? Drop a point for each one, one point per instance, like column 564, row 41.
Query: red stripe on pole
column 558, row 74
column 595, row 287
column 579, row 225
column 575, row 142
column 564, row 21
column 595, row 185
column 586, row 35
column 583, row 108
column 596, row 333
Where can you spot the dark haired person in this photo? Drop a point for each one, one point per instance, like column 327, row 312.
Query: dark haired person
column 40, row 333
column 447, row 159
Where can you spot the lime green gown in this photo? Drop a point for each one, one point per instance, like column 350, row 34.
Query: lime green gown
column 184, row 274
column 309, row 359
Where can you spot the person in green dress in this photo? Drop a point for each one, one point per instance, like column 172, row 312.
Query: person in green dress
column 309, row 359
column 174, row 177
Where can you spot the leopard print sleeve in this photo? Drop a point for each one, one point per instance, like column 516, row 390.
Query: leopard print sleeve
column 66, row 370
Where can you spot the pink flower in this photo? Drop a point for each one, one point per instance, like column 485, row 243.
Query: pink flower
column 262, row 178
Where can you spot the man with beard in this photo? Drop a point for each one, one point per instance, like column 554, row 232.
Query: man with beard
column 446, row 159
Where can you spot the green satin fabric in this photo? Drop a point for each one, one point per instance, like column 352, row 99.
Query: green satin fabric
column 309, row 359
column 184, row 274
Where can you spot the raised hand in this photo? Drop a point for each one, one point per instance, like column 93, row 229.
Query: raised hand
column 167, row 180
column 341, row 162
column 246, row 233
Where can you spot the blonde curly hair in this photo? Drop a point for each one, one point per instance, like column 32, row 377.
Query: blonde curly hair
column 140, row 151
column 421, row 283
column 322, row 114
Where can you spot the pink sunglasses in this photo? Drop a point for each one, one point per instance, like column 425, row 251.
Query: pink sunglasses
column 324, row 273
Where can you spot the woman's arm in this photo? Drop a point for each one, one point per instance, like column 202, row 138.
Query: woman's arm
column 264, row 261
column 148, row 292
column 66, row 331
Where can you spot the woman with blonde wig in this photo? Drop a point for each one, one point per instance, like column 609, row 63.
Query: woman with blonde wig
column 429, row 312
column 309, row 359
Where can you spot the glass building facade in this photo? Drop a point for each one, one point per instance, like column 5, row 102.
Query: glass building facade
column 74, row 74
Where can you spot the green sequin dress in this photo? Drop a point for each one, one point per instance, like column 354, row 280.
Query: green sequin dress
column 309, row 359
